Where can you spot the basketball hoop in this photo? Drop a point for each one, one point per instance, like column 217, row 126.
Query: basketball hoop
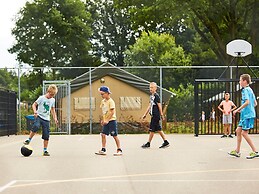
column 238, row 49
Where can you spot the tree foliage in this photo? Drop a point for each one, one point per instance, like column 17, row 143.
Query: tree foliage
column 112, row 31
column 53, row 33
column 7, row 79
column 216, row 22
column 153, row 49
column 181, row 106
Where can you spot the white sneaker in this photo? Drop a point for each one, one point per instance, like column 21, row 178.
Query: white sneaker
column 100, row 153
column 118, row 153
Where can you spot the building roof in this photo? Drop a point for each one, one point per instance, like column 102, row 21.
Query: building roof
column 119, row 74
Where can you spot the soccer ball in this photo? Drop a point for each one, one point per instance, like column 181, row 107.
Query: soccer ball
column 26, row 150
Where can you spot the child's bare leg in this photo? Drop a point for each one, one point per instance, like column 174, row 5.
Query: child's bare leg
column 103, row 140
column 239, row 138
column 161, row 133
column 229, row 129
column 248, row 140
column 45, row 143
column 225, row 129
column 117, row 141
column 27, row 141
column 31, row 134
column 151, row 135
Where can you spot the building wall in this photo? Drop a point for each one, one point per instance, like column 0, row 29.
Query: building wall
column 118, row 89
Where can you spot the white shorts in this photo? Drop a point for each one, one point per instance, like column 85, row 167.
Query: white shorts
column 227, row 119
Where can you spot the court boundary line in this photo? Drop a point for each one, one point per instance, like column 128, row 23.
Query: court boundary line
column 8, row 185
column 89, row 179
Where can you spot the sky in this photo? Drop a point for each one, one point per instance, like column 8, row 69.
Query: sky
column 7, row 13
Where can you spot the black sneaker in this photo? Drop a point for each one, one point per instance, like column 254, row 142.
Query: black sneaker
column 46, row 153
column 26, row 142
column 146, row 145
column 230, row 136
column 223, row 136
column 165, row 144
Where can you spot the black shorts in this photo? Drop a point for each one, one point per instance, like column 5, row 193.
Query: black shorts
column 155, row 124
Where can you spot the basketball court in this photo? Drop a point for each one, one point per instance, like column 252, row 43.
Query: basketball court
column 189, row 165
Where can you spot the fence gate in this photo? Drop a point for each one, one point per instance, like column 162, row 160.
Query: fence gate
column 62, row 106
column 208, row 93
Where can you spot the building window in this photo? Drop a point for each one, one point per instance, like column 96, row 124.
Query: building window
column 84, row 103
column 130, row 103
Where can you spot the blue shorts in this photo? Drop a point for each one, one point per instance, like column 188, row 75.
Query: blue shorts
column 45, row 127
column 110, row 128
column 246, row 124
column 155, row 124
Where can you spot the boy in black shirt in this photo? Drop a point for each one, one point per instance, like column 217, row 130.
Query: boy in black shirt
column 155, row 110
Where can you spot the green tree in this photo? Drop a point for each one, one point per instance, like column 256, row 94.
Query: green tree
column 29, row 92
column 7, row 79
column 53, row 33
column 181, row 107
column 29, row 89
column 112, row 33
column 216, row 22
column 152, row 49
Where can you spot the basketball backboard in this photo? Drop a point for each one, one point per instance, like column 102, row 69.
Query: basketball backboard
column 239, row 48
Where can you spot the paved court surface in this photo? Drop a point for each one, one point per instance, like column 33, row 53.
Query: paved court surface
column 190, row 165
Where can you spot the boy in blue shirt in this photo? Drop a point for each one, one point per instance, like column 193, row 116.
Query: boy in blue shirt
column 247, row 117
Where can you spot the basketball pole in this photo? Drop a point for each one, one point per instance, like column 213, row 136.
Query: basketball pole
column 227, row 67
column 239, row 49
column 249, row 67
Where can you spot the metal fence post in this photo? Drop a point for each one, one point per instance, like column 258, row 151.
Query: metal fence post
column 196, row 110
column 69, row 107
column 90, row 94
column 161, row 85
column 19, row 97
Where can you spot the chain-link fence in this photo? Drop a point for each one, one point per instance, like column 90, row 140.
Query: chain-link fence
column 130, row 91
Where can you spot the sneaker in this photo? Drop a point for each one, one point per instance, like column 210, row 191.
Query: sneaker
column 101, row 152
column 46, row 153
column 252, row 155
column 118, row 153
column 26, row 142
column 235, row 153
column 223, row 136
column 165, row 144
column 146, row 145
column 230, row 136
